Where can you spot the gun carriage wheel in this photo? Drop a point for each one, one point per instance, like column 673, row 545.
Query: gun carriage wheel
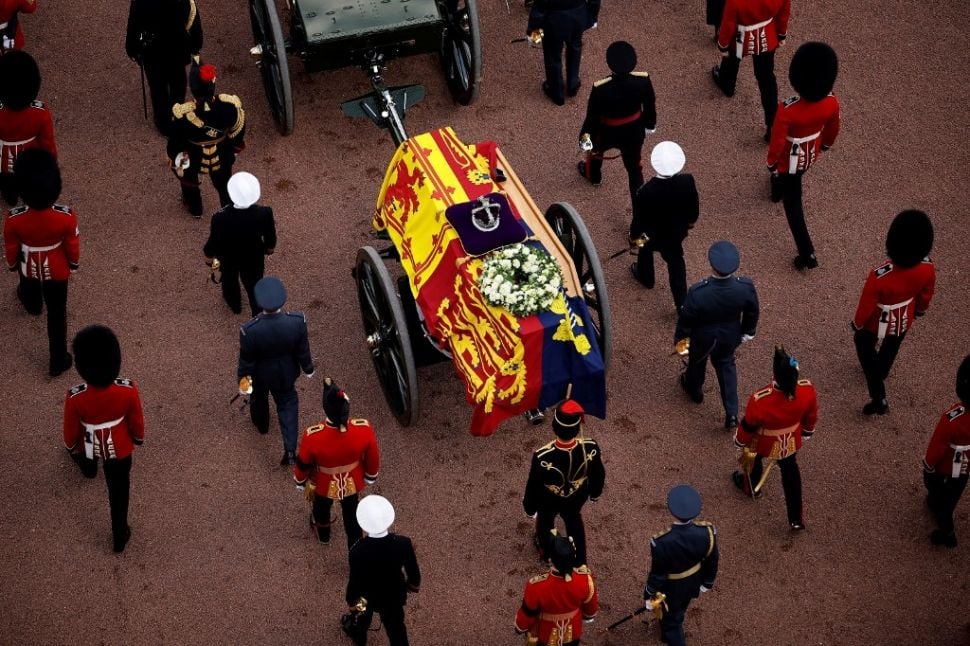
column 270, row 55
column 461, row 49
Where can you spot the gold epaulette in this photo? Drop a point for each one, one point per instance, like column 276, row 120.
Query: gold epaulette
column 313, row 429
column 804, row 382
column 640, row 74
column 359, row 422
column 231, row 98
column 539, row 577
column 582, row 569
column 545, row 448
column 763, row 393
column 193, row 12
column 659, row 534
column 703, row 523
column 602, row 82
column 179, row 110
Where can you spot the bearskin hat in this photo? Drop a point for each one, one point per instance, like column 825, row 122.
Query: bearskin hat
column 910, row 238
column 97, row 355
column 336, row 404
column 38, row 178
column 785, row 371
column 963, row 381
column 568, row 420
column 813, row 70
column 21, row 79
column 621, row 57
column 562, row 553
column 202, row 81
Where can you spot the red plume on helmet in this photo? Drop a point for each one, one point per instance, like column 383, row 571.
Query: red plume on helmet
column 202, row 81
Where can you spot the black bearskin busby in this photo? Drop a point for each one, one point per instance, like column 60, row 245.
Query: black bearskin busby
column 785, row 371
column 562, row 553
column 97, row 355
column 202, row 81
column 38, row 178
column 336, row 404
column 21, row 79
column 621, row 57
column 568, row 420
column 813, row 70
column 910, row 238
column 963, row 381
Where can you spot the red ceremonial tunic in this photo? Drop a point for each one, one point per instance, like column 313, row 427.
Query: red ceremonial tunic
column 801, row 131
column 773, row 424
column 44, row 243
column 553, row 608
column 106, row 422
column 753, row 26
column 338, row 461
column 892, row 296
column 20, row 130
column 7, row 10
column 948, row 452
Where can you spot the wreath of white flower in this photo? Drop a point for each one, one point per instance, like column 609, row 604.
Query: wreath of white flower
column 521, row 278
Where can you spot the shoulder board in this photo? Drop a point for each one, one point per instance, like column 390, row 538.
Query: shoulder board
column 231, row 98
column 703, row 523
column 316, row 427
column 744, row 279
column 77, row 390
column 640, row 74
column 179, row 110
column 121, row 381
column 18, row 210
column 761, row 394
column 804, row 382
column 885, row 269
column 602, row 82
column 701, row 283
column 37, row 104
column 790, row 100
column 582, row 569
column 359, row 422
column 300, row 315
column 248, row 324
column 539, row 578
column 62, row 208
column 659, row 534
column 955, row 413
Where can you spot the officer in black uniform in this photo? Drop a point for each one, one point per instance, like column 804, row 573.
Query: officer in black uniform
column 664, row 210
column 562, row 23
column 240, row 236
column 683, row 562
column 565, row 473
column 162, row 37
column 719, row 314
column 206, row 135
column 621, row 110
column 273, row 348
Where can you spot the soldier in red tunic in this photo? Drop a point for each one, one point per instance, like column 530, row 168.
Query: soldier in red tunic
column 25, row 122
column 340, row 456
column 11, row 33
column 556, row 604
column 103, row 420
column 777, row 419
column 895, row 292
column 753, row 28
column 803, row 127
column 945, row 466
column 41, row 243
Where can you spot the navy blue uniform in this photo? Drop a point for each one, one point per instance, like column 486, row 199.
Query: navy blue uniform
column 383, row 570
column 716, row 313
column 682, row 559
column 273, row 348
column 563, row 23
column 240, row 238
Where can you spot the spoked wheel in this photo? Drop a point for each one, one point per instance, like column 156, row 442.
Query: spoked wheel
column 572, row 233
column 387, row 335
column 461, row 49
column 270, row 54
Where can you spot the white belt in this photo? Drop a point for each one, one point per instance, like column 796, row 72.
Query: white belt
column 89, row 435
column 798, row 141
column 29, row 249
column 796, row 146
column 884, row 317
column 22, row 142
column 745, row 29
column 958, row 451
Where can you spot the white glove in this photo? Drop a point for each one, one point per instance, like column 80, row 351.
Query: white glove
column 595, row 25
column 650, row 131
column 301, row 487
column 746, row 337
column 705, row 589
column 648, row 604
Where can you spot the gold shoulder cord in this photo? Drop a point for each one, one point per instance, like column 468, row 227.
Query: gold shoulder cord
column 193, row 12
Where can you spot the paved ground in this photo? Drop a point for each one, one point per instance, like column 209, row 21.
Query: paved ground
column 221, row 553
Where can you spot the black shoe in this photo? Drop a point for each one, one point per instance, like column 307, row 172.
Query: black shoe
column 55, row 369
column 730, row 422
column 581, row 167
column 323, row 533
column 716, row 75
column 288, row 459
column 805, row 262
column 557, row 100
column 119, row 546
column 939, row 537
column 880, row 407
column 697, row 398
column 573, row 91
column 798, row 527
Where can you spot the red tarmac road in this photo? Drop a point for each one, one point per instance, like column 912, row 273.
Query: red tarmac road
column 221, row 553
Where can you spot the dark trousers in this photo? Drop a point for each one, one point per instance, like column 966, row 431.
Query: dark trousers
column 943, row 494
column 166, row 84
column 791, row 197
column 791, row 483
column 8, row 188
column 764, row 72
column 321, row 517
column 192, row 191
column 722, row 358
column 232, row 274
column 393, row 620
column 287, row 409
column 34, row 295
column 117, row 475
column 672, row 624
column 630, row 152
column 876, row 364
column 564, row 30
column 572, row 519
column 673, row 255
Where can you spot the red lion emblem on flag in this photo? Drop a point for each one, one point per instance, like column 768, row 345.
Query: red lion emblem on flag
column 403, row 191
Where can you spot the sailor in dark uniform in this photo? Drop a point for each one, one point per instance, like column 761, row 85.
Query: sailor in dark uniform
column 621, row 110
column 273, row 348
column 683, row 562
column 719, row 314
